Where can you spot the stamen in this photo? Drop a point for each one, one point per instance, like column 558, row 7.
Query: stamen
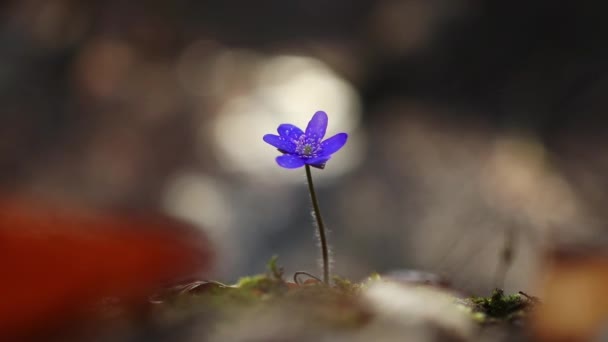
column 307, row 147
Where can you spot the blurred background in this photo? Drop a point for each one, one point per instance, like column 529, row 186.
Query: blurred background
column 473, row 125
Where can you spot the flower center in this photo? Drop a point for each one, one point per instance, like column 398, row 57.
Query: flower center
column 307, row 147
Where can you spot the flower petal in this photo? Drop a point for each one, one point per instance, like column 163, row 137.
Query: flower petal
column 318, row 162
column 333, row 144
column 289, row 132
column 280, row 143
column 290, row 161
column 317, row 126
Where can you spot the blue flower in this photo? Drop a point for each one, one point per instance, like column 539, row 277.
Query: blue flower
column 305, row 148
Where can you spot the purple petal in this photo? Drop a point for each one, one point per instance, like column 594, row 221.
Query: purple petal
column 280, row 143
column 289, row 132
column 289, row 161
column 317, row 126
column 318, row 162
column 333, row 144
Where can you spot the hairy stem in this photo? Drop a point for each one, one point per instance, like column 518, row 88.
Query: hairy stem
column 320, row 225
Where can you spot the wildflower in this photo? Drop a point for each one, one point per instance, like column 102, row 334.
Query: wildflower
column 305, row 148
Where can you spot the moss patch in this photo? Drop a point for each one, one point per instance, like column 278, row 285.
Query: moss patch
column 500, row 307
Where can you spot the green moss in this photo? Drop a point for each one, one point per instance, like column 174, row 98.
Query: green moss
column 275, row 271
column 258, row 281
column 270, row 283
column 374, row 277
column 346, row 286
column 500, row 306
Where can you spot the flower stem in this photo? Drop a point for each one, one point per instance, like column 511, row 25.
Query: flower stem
column 320, row 225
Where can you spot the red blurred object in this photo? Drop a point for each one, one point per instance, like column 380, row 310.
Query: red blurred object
column 58, row 263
